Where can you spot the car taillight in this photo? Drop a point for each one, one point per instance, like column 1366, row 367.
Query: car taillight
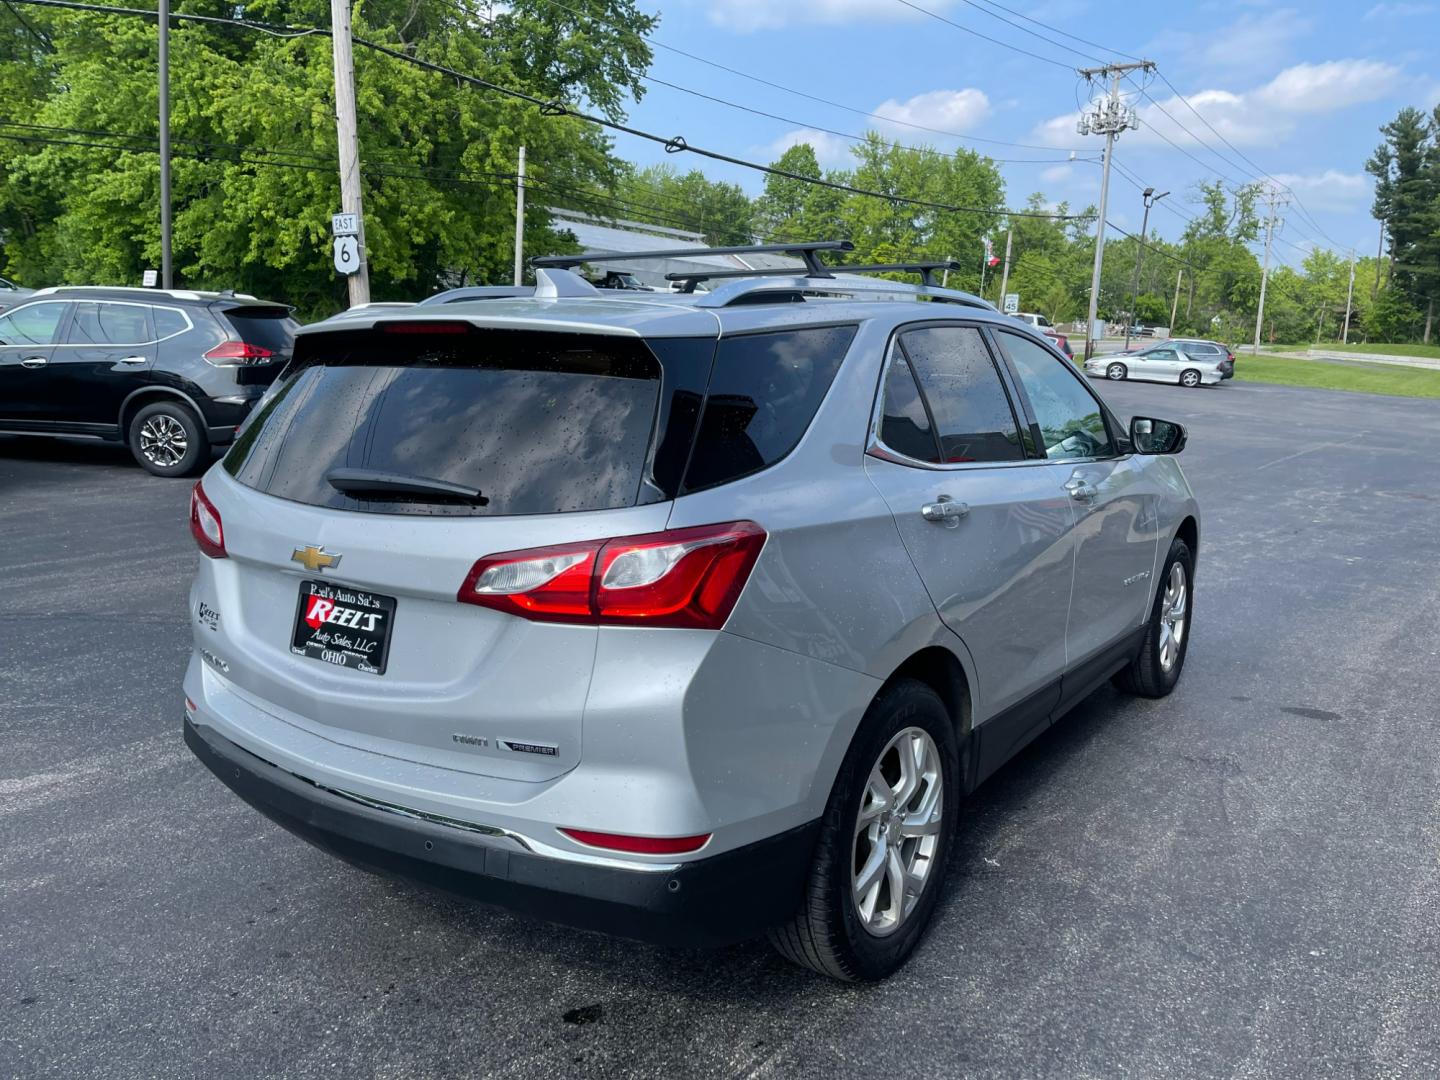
column 432, row 327
column 229, row 353
column 205, row 524
column 639, row 845
column 687, row 578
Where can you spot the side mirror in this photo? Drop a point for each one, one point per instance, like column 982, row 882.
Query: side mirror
column 1151, row 436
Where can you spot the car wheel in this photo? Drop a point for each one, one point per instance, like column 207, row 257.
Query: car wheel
column 1156, row 667
column 1189, row 377
column 880, row 859
column 167, row 439
column 1115, row 371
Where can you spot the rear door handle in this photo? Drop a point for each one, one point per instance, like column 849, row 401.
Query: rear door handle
column 33, row 361
column 134, row 359
column 1081, row 490
column 944, row 510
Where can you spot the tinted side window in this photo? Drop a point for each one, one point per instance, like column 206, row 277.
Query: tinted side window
column 108, row 324
column 764, row 391
column 905, row 426
column 168, row 322
column 35, row 324
column 1068, row 414
column 972, row 413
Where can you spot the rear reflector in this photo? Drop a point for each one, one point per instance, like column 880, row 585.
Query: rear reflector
column 425, row 328
column 205, row 524
column 679, row 578
column 639, row 845
column 239, row 352
column 189, row 705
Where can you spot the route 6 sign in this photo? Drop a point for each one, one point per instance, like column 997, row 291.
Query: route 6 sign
column 347, row 254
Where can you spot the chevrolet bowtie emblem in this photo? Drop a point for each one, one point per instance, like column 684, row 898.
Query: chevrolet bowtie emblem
column 314, row 558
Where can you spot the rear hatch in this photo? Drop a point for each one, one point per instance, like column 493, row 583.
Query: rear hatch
column 269, row 332
column 390, row 461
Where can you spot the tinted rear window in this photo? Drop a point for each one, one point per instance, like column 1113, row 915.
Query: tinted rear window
column 270, row 328
column 539, row 423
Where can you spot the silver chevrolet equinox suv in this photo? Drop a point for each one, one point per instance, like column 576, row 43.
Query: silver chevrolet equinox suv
column 685, row 616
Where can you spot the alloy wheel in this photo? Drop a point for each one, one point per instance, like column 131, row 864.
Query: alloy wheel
column 1115, row 371
column 1190, row 378
column 897, row 831
column 1173, row 616
column 163, row 441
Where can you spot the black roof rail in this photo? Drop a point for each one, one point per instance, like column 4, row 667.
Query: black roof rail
column 807, row 252
column 926, row 270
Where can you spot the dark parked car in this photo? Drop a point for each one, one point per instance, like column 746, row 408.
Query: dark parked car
column 12, row 294
column 171, row 373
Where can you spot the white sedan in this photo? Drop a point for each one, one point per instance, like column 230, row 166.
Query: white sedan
column 1167, row 362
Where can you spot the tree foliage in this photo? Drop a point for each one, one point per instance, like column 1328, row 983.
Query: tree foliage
column 255, row 172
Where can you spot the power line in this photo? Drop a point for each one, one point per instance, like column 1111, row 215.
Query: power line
column 672, row 144
column 780, row 86
column 1057, row 30
column 985, row 37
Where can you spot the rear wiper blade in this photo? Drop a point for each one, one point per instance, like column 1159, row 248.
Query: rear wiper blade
column 388, row 485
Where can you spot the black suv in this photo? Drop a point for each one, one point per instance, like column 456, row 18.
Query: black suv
column 169, row 372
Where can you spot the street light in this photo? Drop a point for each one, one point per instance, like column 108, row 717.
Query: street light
column 1150, row 200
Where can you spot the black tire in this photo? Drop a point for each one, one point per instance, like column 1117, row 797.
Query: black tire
column 1190, row 377
column 174, row 421
column 1116, row 372
column 827, row 933
column 1146, row 675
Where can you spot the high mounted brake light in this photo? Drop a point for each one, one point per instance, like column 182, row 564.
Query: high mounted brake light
column 686, row 578
column 425, row 328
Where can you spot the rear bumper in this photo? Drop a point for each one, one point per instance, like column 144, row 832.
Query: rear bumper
column 705, row 902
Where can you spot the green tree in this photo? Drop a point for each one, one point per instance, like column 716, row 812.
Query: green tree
column 255, row 173
column 1406, row 167
column 721, row 212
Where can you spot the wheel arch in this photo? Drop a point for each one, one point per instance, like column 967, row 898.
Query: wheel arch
column 150, row 395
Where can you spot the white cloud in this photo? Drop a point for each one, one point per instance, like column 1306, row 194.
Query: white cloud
column 746, row 16
column 1249, row 118
column 1399, row 11
column 1334, row 84
column 941, row 110
column 1330, row 190
column 830, row 150
column 1253, row 41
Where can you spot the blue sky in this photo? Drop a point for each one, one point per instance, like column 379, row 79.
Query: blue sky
column 1299, row 89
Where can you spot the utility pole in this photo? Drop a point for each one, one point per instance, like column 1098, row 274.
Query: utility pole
column 1175, row 304
column 1349, row 296
column 1005, row 274
column 1150, row 200
column 1109, row 117
column 1275, row 199
column 520, row 220
column 167, row 268
column 347, row 136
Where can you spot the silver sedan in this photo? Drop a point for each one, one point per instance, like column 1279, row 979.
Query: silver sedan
column 1169, row 362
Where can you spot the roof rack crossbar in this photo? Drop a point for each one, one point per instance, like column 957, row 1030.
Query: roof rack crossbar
column 732, row 291
column 807, row 252
column 926, row 270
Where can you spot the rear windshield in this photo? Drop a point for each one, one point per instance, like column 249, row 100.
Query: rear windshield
column 270, row 328
column 534, row 422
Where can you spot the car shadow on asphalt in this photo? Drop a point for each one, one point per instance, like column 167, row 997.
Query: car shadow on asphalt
column 751, row 974
column 65, row 451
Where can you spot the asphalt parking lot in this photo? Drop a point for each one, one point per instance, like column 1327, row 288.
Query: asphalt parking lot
column 1242, row 880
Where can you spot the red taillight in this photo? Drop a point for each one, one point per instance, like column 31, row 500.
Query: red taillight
column 205, row 524
column 425, row 327
column 239, row 352
column 678, row 578
column 639, row 845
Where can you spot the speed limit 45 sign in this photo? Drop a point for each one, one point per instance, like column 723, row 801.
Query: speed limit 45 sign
column 347, row 254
